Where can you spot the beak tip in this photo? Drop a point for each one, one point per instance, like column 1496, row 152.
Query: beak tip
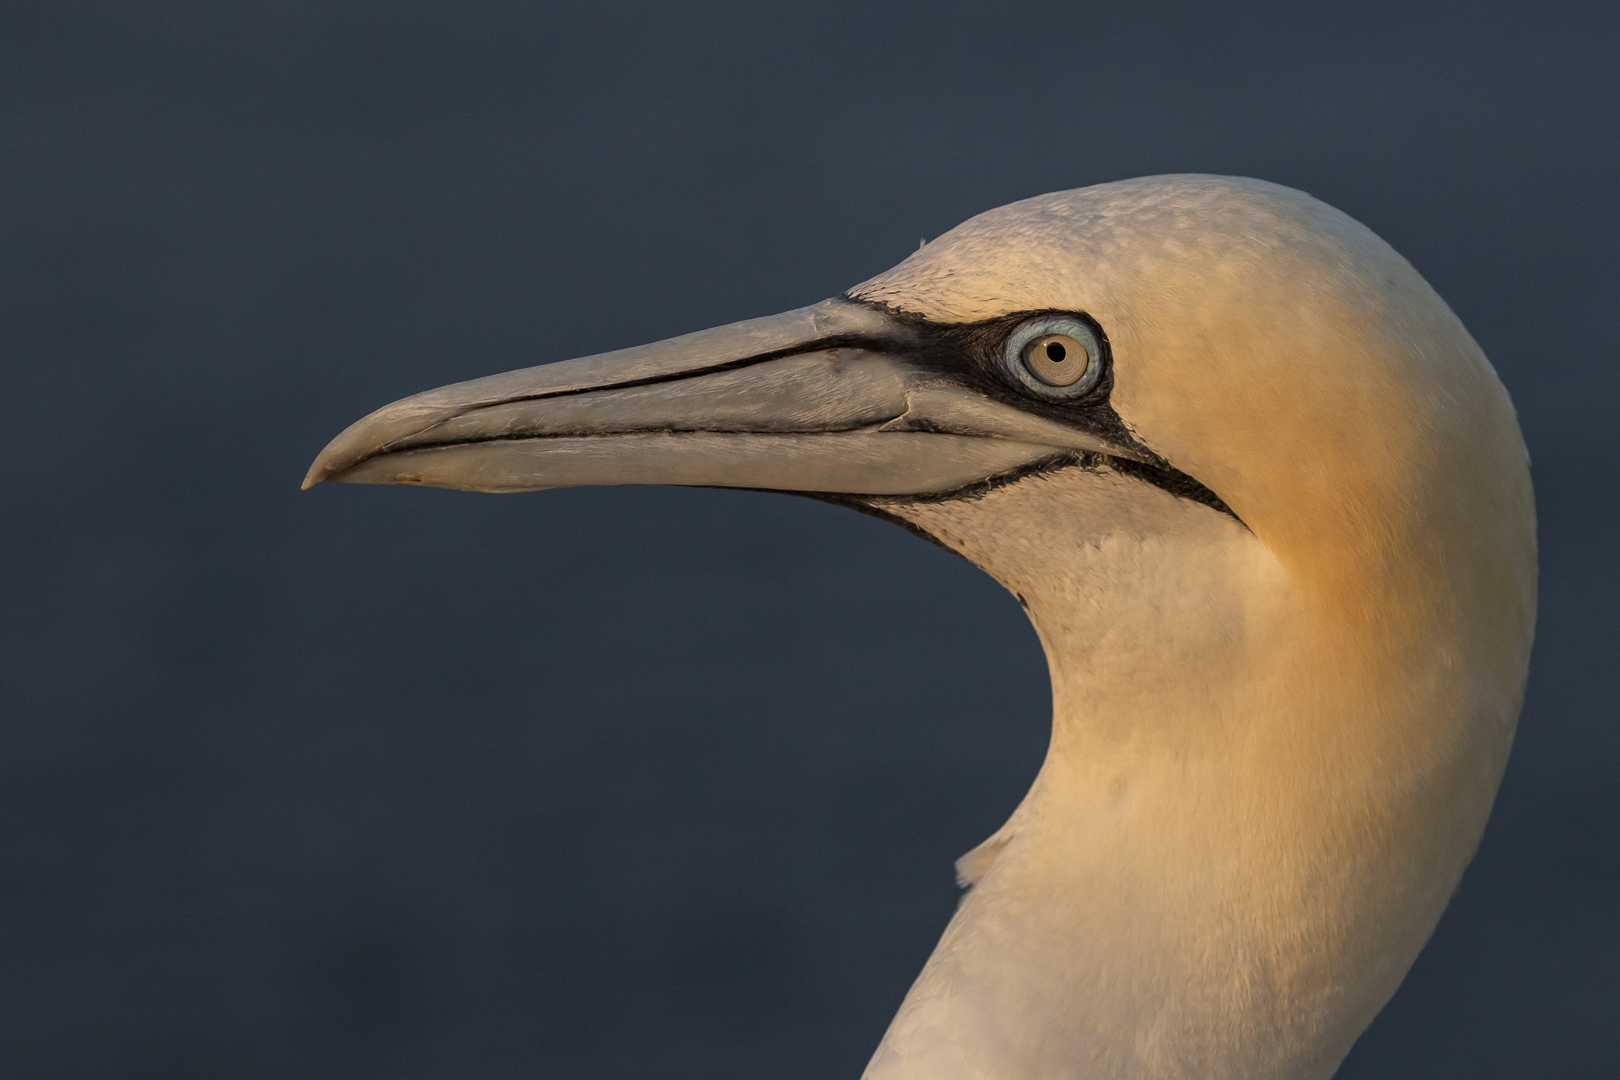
column 319, row 472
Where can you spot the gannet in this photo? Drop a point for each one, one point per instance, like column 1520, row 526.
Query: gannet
column 1268, row 508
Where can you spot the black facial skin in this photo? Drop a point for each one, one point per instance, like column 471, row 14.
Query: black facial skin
column 969, row 355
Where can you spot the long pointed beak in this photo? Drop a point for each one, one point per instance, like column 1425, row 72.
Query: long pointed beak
column 836, row 397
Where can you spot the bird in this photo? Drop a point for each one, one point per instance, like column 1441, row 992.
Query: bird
column 1265, row 502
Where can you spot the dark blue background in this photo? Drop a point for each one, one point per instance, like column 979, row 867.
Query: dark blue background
column 641, row 782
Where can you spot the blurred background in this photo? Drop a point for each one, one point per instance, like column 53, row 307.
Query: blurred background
column 396, row 783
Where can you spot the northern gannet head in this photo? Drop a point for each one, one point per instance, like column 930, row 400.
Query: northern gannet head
column 1268, row 507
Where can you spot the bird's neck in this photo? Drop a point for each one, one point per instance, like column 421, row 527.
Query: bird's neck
column 1237, row 843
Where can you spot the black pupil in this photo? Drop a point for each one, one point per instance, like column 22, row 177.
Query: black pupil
column 1055, row 352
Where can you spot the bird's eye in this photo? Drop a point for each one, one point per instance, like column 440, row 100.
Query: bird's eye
column 1056, row 357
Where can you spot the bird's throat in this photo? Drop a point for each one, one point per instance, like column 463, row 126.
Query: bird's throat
column 1211, row 876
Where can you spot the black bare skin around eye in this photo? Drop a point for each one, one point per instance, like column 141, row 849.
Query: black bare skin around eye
column 969, row 355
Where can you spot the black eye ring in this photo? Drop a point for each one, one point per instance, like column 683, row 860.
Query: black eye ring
column 1056, row 357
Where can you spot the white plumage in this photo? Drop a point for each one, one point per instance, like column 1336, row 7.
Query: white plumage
column 1282, row 560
